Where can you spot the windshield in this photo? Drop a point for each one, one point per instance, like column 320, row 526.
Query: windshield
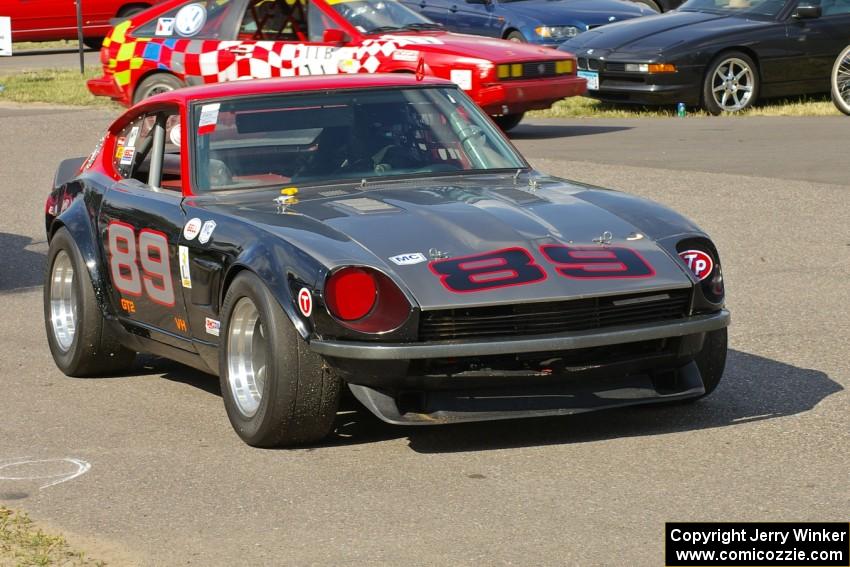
column 350, row 135
column 379, row 16
column 769, row 8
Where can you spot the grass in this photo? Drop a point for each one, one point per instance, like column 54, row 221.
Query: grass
column 22, row 544
column 54, row 86
column 65, row 86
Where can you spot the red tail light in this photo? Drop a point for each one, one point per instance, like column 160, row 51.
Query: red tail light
column 365, row 300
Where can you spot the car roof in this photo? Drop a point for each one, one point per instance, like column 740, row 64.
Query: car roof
column 301, row 84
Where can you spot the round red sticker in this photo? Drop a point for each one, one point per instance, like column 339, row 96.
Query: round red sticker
column 699, row 263
column 305, row 301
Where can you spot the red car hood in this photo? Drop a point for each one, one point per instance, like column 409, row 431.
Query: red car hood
column 495, row 50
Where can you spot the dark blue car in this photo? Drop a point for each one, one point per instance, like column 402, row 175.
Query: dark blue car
column 544, row 22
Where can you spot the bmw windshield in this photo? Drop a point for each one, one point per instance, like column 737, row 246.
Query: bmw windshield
column 321, row 137
column 382, row 16
column 769, row 8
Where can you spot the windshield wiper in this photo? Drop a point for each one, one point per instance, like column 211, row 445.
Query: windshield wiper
column 424, row 26
column 382, row 29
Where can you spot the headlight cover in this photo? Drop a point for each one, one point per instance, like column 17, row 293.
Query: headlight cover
column 556, row 32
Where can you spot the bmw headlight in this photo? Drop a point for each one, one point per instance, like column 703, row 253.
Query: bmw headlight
column 556, row 32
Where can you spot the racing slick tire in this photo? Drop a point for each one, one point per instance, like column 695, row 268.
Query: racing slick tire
column 731, row 84
column 840, row 81
column 508, row 121
column 155, row 84
column 79, row 341
column 711, row 360
column 516, row 36
column 276, row 392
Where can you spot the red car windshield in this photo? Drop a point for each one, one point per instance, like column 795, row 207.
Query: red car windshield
column 381, row 16
column 351, row 135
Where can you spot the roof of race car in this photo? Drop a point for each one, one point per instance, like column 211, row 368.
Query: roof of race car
column 293, row 84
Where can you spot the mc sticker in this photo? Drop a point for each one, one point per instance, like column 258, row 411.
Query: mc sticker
column 206, row 232
column 305, row 301
column 698, row 262
column 408, row 259
column 192, row 228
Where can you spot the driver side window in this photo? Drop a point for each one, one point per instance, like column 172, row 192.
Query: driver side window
column 134, row 150
column 274, row 20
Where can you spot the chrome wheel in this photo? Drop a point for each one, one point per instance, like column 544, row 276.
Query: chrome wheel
column 733, row 84
column 841, row 81
column 246, row 357
column 63, row 301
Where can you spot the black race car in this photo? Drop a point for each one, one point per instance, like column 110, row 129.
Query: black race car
column 295, row 235
column 722, row 55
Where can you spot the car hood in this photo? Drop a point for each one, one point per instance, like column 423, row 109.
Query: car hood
column 656, row 33
column 470, row 46
column 570, row 12
column 455, row 218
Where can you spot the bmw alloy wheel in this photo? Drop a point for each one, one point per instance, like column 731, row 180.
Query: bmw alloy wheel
column 246, row 357
column 733, row 84
column 63, row 301
column 841, row 81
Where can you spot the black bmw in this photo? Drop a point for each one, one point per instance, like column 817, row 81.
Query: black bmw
column 722, row 55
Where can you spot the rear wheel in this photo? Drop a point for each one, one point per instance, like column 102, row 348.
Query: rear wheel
column 652, row 5
column 76, row 333
column 93, row 42
column 156, row 84
column 841, row 81
column 516, row 36
column 276, row 392
column 731, row 83
column 508, row 121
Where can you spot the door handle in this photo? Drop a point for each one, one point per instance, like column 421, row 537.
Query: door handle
column 241, row 49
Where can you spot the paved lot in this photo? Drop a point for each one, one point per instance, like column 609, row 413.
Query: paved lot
column 25, row 60
column 171, row 484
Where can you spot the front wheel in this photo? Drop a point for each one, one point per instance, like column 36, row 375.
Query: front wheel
column 841, row 81
column 516, row 36
column 731, row 83
column 79, row 341
column 508, row 121
column 276, row 392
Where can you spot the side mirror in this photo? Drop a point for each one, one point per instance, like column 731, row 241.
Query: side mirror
column 333, row 35
column 806, row 12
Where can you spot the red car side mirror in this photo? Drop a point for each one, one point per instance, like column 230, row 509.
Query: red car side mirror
column 333, row 35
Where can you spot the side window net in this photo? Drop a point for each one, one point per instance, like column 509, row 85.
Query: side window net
column 275, row 20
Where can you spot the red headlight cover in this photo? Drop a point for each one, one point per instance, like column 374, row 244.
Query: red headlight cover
column 365, row 300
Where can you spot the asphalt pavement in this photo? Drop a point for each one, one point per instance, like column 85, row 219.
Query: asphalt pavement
column 159, row 478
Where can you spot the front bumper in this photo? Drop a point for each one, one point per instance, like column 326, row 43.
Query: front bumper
column 569, row 341
column 515, row 96
column 649, row 89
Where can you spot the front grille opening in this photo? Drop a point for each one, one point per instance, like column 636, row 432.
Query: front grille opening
column 530, row 319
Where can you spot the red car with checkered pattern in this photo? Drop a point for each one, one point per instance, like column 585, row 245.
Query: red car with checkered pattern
column 189, row 42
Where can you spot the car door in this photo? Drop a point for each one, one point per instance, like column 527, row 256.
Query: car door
column 473, row 17
column 819, row 40
column 33, row 19
column 140, row 225
column 437, row 10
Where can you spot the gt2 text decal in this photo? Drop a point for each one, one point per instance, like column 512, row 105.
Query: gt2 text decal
column 150, row 250
column 516, row 266
column 491, row 270
column 598, row 262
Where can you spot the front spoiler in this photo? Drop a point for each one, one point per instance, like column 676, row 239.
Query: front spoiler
column 567, row 341
column 441, row 407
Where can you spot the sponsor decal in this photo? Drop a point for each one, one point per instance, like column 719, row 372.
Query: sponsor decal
column 408, row 259
column 209, row 118
column 213, row 327
column 127, row 155
column 181, row 325
column 190, row 19
column 305, row 301
column 185, row 274
column 462, row 78
column 206, row 232
column 164, row 26
column 406, row 55
column 128, row 305
column 192, row 228
column 698, row 262
column 131, row 137
column 174, row 135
